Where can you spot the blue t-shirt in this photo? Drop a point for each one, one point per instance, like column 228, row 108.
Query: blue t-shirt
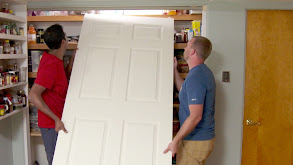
column 199, row 87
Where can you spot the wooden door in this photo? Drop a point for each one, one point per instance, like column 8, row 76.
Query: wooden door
column 118, row 109
column 268, row 89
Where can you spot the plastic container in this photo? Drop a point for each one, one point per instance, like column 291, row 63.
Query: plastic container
column 32, row 35
column 17, row 48
column 35, row 54
column 22, row 76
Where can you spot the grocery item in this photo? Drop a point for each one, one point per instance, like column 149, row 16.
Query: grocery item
column 6, row 47
column 32, row 35
column 196, row 27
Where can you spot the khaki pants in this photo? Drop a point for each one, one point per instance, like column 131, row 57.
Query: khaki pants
column 194, row 152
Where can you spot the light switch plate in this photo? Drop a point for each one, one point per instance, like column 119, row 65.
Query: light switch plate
column 225, row 76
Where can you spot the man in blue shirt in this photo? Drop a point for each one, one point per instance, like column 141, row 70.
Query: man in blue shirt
column 195, row 139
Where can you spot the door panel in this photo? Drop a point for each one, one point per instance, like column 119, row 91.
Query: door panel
column 118, row 109
column 268, row 88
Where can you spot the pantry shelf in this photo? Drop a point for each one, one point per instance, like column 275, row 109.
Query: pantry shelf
column 12, row 37
column 13, row 18
column 35, row 133
column 13, row 113
column 176, row 105
column 13, row 56
column 79, row 18
column 71, row 46
column 11, row 86
column 32, row 74
column 69, row 18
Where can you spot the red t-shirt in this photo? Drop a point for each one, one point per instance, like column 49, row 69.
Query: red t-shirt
column 51, row 75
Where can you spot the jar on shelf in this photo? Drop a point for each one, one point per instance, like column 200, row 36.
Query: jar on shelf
column 6, row 47
column 40, row 36
column 3, row 75
column 32, row 35
column 12, row 77
column 182, row 66
column 17, row 48
column 20, row 31
column 2, row 110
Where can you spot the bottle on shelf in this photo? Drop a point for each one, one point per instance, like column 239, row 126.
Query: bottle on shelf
column 6, row 47
column 32, row 35
column 21, row 94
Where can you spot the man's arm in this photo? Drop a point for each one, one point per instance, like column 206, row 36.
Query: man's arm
column 177, row 78
column 189, row 124
column 35, row 96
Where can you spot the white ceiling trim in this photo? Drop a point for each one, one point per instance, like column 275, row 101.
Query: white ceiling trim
column 146, row 4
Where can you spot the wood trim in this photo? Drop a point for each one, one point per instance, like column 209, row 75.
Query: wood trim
column 79, row 18
column 71, row 18
column 32, row 74
column 71, row 46
column 35, row 133
column 176, row 105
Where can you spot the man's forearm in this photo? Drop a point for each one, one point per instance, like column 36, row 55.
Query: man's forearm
column 178, row 79
column 42, row 106
column 188, row 125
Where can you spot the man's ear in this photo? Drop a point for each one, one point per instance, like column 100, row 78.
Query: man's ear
column 193, row 52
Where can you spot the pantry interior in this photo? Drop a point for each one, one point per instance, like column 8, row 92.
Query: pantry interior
column 19, row 131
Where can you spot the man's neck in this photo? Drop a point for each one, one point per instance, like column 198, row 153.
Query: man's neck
column 58, row 53
column 194, row 64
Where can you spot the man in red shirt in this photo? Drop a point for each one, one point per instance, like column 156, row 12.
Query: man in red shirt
column 49, row 90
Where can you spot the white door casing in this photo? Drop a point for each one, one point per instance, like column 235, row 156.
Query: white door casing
column 118, row 109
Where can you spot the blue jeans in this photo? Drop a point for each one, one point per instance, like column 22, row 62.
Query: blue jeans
column 49, row 136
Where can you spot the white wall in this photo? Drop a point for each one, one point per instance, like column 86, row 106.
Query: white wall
column 226, row 26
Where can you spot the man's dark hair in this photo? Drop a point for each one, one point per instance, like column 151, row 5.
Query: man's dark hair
column 53, row 36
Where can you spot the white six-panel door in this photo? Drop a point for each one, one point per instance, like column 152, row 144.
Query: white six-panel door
column 118, row 109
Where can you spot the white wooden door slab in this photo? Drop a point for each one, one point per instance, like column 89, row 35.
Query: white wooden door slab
column 118, row 109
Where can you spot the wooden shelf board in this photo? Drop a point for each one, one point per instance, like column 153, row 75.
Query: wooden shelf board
column 12, row 37
column 12, row 113
column 180, row 45
column 71, row 46
column 11, row 18
column 79, row 18
column 69, row 18
column 32, row 74
column 176, row 105
column 35, row 133
column 11, row 86
column 185, row 17
column 13, row 56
